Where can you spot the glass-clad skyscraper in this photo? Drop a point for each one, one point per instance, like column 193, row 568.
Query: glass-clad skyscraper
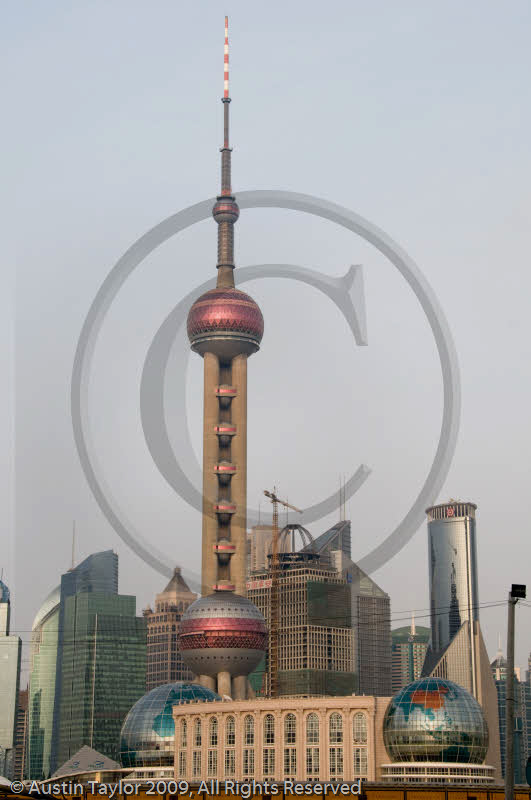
column 453, row 570
column 103, row 671
column 88, row 665
column 43, row 670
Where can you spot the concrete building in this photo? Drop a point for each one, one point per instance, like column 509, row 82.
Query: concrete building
column 259, row 540
column 164, row 660
column 11, row 648
column 316, row 643
column 457, row 650
column 21, row 736
column 303, row 739
column 223, row 635
column 42, row 686
column 408, row 652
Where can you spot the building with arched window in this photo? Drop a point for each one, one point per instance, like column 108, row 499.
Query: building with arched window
column 301, row 739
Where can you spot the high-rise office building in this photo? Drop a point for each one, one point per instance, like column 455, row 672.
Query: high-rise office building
column 43, row 671
column 10, row 651
column 457, row 650
column 21, row 736
column 164, row 660
column 370, row 612
column 372, row 624
column 88, row 665
column 408, row 651
column 316, row 644
column 223, row 635
column 103, row 671
column 96, row 573
column 522, row 716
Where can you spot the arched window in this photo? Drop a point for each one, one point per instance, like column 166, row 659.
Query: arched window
column 290, row 752
column 230, row 732
column 336, row 728
column 269, row 729
column 197, row 733
column 312, row 746
column 312, row 729
column 359, row 728
column 248, row 726
column 213, row 732
column 290, row 729
column 183, row 733
column 359, row 739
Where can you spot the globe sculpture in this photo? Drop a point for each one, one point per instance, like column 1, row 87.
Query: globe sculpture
column 148, row 733
column 435, row 720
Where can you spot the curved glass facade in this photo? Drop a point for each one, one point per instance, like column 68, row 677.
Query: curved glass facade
column 453, row 571
column 148, row 733
column 435, row 720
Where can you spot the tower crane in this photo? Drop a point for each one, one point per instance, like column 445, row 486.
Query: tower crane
column 274, row 615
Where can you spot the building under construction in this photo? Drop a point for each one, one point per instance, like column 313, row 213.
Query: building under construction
column 315, row 634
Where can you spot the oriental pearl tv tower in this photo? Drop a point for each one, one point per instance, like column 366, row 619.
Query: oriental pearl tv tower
column 223, row 635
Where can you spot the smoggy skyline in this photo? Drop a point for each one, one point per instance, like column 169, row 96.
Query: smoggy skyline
column 414, row 117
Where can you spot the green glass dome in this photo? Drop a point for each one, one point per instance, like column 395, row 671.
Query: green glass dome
column 148, row 733
column 435, row 720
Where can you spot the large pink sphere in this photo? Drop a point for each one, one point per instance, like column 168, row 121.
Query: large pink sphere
column 226, row 322
column 222, row 632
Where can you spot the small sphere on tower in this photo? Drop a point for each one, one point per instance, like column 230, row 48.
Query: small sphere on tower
column 225, row 210
column 222, row 632
column 226, row 322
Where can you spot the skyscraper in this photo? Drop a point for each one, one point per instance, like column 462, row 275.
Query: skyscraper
column 316, row 642
column 223, row 635
column 103, row 671
column 88, row 665
column 164, row 660
column 457, row 650
column 43, row 671
column 370, row 614
column 408, row 651
column 10, row 650
column 96, row 573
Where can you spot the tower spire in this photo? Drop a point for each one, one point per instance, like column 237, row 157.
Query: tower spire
column 226, row 210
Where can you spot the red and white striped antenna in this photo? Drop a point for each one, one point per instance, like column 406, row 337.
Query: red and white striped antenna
column 226, row 61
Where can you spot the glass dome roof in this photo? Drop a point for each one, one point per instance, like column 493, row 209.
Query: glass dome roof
column 434, row 719
column 148, row 733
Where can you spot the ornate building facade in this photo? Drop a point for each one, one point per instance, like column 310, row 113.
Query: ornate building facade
column 164, row 660
column 303, row 739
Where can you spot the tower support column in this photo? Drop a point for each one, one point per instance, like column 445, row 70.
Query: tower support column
column 224, row 687
column 239, row 481
column 239, row 685
column 210, row 481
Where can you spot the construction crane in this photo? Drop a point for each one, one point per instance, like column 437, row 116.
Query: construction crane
column 274, row 615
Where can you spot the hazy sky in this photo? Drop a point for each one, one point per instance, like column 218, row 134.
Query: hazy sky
column 415, row 115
